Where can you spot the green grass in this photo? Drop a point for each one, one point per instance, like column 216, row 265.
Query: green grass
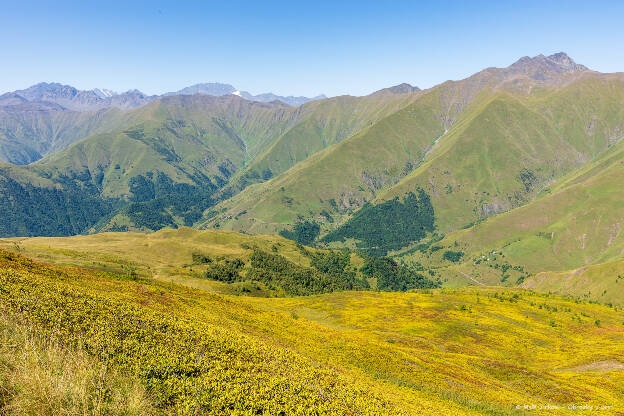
column 600, row 282
column 495, row 151
column 476, row 171
column 200, row 141
column 166, row 255
column 454, row 352
column 338, row 179
column 322, row 124
column 573, row 224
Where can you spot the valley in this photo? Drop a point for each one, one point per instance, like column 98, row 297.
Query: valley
column 452, row 250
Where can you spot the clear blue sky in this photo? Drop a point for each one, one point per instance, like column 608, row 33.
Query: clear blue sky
column 294, row 47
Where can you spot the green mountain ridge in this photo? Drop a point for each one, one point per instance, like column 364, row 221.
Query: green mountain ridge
column 474, row 149
column 573, row 224
column 162, row 167
column 180, row 140
column 28, row 133
column 465, row 168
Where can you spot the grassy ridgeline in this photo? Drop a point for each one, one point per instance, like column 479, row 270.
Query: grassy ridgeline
column 220, row 261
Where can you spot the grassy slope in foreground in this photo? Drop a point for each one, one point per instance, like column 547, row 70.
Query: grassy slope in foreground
column 446, row 352
column 41, row 376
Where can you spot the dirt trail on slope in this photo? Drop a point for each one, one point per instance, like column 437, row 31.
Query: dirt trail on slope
column 472, row 278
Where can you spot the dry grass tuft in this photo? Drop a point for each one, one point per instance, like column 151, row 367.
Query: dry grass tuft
column 39, row 376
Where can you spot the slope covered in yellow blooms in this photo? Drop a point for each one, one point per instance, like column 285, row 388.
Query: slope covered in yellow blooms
column 450, row 352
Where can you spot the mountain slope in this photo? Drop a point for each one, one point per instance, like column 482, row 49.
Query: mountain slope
column 166, row 159
column 473, row 148
column 462, row 352
column 321, row 124
column 48, row 117
column 500, row 137
column 32, row 130
column 340, row 178
column 515, row 146
column 600, row 282
column 575, row 223
column 178, row 153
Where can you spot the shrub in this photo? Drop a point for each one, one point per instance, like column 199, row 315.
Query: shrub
column 393, row 277
column 453, row 256
column 226, row 270
column 279, row 273
column 199, row 258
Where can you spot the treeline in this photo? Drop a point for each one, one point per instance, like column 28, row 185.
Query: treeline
column 304, row 232
column 157, row 200
column 394, row 277
column 276, row 271
column 75, row 204
column 328, row 272
column 68, row 209
column 390, row 225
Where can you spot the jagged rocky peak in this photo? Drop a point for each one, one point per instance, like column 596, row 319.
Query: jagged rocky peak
column 563, row 60
column 403, row 88
column 81, row 100
column 542, row 67
column 44, row 91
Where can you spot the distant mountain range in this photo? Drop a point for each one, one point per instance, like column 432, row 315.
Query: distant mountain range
column 42, row 95
column 70, row 98
column 204, row 156
column 523, row 159
column 218, row 89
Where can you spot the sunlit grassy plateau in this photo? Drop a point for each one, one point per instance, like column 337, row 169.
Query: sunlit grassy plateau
column 182, row 350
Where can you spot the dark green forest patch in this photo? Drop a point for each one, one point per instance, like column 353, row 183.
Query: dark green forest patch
column 390, row 225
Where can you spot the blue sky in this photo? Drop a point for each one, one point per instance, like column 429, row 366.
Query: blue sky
column 294, row 47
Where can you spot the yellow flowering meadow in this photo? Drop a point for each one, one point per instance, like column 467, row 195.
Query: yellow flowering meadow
column 444, row 352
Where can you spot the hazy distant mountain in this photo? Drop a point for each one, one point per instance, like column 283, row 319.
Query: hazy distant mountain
column 208, row 88
column 71, row 98
column 80, row 100
column 218, row 89
column 268, row 97
column 11, row 98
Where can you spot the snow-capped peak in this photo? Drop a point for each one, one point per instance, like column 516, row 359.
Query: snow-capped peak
column 104, row 93
column 237, row 93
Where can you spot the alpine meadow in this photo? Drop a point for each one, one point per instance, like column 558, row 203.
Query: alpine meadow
column 381, row 248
